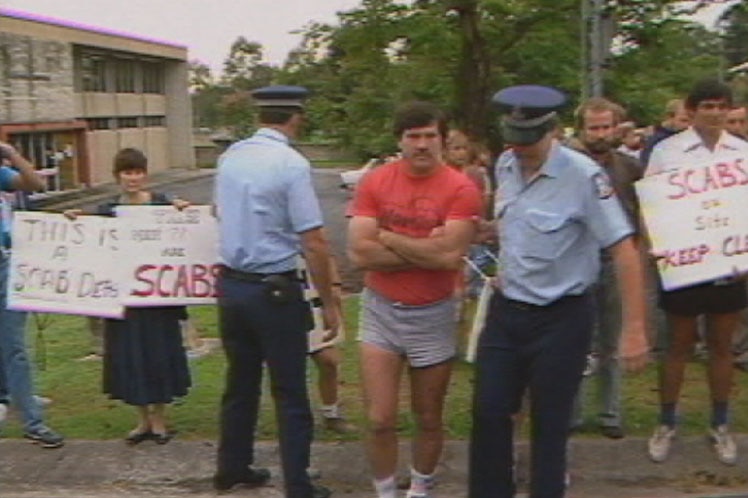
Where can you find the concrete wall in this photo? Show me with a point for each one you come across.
(74, 33)
(37, 74)
(179, 116)
(102, 145)
(36, 79)
(92, 105)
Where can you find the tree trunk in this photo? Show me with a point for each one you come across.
(473, 72)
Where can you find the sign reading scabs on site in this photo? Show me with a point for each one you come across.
(696, 220)
(65, 266)
(172, 255)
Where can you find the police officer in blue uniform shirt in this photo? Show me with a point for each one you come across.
(268, 213)
(555, 210)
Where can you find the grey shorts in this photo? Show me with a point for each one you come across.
(425, 334)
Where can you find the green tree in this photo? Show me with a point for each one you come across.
(206, 96)
(735, 22)
(458, 52)
(243, 69)
(200, 75)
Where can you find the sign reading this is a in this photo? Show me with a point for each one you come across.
(66, 266)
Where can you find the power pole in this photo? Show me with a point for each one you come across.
(598, 30)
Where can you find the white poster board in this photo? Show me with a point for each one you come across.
(316, 336)
(697, 221)
(65, 266)
(172, 256)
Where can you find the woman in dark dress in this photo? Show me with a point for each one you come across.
(145, 364)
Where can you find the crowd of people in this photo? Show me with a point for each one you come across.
(557, 216)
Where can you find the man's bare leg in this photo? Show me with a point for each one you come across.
(380, 376)
(428, 389)
(720, 330)
(327, 361)
(683, 337)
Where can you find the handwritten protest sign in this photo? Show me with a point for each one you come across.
(64, 266)
(171, 255)
(697, 223)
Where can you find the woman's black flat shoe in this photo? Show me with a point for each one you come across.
(162, 438)
(138, 437)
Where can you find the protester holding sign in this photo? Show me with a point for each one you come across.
(704, 158)
(16, 173)
(145, 364)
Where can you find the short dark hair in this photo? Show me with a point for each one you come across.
(417, 115)
(708, 89)
(129, 158)
(278, 115)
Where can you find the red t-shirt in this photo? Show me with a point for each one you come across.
(414, 205)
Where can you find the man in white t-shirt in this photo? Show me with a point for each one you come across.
(720, 301)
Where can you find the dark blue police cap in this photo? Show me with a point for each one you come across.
(529, 112)
(280, 96)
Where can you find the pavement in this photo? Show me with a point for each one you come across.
(600, 468)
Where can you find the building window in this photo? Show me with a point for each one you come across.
(99, 123)
(153, 121)
(93, 72)
(153, 77)
(124, 75)
(128, 122)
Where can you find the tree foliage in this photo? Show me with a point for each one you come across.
(457, 53)
(225, 104)
(735, 23)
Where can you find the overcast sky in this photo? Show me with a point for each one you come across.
(207, 28)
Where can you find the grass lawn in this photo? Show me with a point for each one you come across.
(80, 410)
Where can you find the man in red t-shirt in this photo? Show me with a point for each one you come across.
(412, 223)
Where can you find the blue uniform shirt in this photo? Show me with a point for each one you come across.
(552, 229)
(265, 198)
(7, 174)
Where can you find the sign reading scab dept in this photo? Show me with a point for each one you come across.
(96, 265)
(66, 266)
(697, 221)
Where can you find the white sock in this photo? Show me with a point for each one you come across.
(419, 483)
(386, 488)
(330, 411)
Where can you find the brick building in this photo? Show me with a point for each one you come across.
(72, 95)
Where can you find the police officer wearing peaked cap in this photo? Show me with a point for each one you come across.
(268, 213)
(530, 111)
(555, 210)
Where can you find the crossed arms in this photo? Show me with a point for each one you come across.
(373, 248)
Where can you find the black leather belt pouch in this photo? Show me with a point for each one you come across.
(280, 289)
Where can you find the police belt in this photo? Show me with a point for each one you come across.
(525, 306)
(245, 276)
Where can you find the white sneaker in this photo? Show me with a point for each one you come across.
(659, 443)
(724, 445)
(42, 400)
(593, 362)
